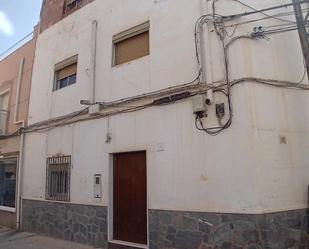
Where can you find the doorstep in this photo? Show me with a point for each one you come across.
(115, 244)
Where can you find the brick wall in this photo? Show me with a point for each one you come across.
(53, 11)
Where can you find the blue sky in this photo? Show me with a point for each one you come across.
(17, 18)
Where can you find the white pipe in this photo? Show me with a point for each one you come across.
(209, 97)
(19, 179)
(20, 74)
(21, 144)
(205, 49)
(93, 57)
(205, 46)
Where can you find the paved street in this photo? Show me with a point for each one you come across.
(11, 239)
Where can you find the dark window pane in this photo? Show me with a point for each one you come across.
(72, 79)
(63, 82)
(66, 81)
(71, 5)
(7, 182)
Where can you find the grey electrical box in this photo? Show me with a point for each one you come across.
(199, 104)
(97, 186)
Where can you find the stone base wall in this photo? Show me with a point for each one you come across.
(78, 223)
(190, 230)
(172, 229)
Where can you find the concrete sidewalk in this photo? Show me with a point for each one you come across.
(12, 239)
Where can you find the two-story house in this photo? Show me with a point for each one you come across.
(168, 124)
(15, 82)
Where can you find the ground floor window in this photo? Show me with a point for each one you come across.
(58, 178)
(8, 182)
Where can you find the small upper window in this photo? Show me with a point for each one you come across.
(71, 5)
(131, 44)
(4, 113)
(65, 73)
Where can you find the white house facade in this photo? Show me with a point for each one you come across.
(122, 150)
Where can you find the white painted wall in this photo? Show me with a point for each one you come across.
(243, 170)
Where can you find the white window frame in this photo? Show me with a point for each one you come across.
(65, 63)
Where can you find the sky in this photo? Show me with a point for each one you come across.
(17, 19)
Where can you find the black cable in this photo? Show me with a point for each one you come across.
(213, 131)
(45, 125)
(228, 94)
(15, 44)
(276, 31)
(262, 10)
(14, 134)
(264, 18)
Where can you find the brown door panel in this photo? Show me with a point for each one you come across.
(130, 197)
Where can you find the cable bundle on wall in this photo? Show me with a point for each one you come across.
(171, 95)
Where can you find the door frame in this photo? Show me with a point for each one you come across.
(110, 218)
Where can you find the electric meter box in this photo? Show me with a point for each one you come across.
(97, 186)
(199, 104)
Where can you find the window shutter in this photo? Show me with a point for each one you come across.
(67, 71)
(132, 48)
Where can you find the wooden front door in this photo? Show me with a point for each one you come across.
(130, 197)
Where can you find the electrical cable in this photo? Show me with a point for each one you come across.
(232, 83)
(263, 13)
(262, 10)
(153, 94)
(53, 122)
(214, 131)
(193, 87)
(15, 44)
(264, 18)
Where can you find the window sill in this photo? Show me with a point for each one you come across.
(7, 209)
(61, 89)
(134, 61)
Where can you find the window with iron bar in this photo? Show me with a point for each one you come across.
(58, 172)
(70, 5)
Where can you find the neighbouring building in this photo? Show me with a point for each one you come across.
(168, 124)
(15, 82)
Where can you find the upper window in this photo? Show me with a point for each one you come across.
(70, 5)
(131, 44)
(58, 178)
(4, 113)
(65, 73)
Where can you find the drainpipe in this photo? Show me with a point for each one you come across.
(19, 180)
(20, 73)
(205, 49)
(93, 58)
(21, 144)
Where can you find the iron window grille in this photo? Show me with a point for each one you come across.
(71, 5)
(58, 173)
